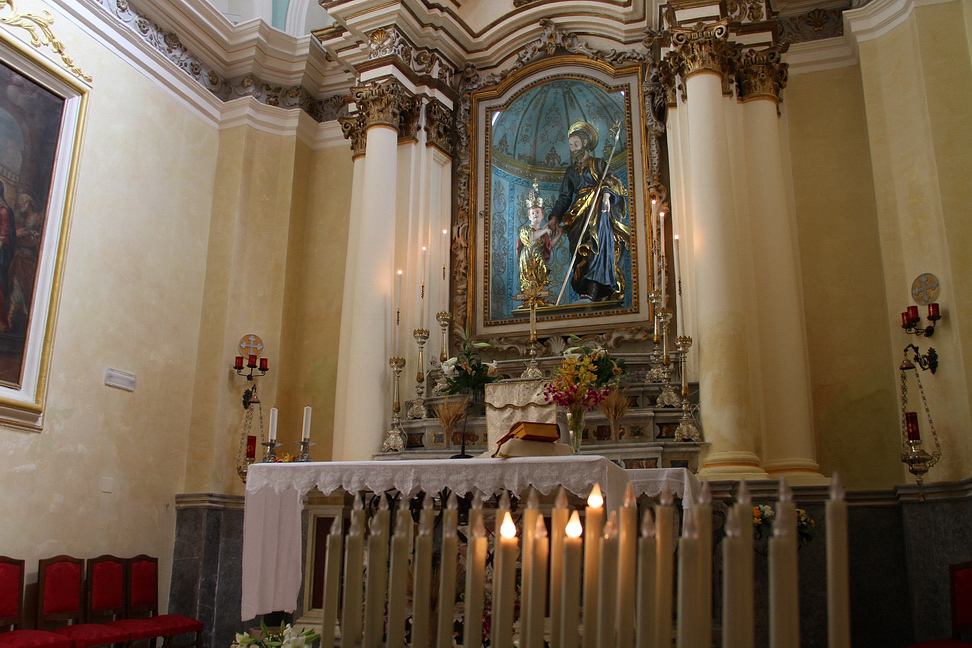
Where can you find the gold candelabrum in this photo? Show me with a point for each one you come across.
(395, 441)
(417, 408)
(444, 319)
(688, 428)
(912, 453)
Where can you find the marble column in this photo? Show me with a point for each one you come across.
(368, 317)
(729, 417)
(788, 445)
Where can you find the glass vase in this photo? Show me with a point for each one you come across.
(575, 427)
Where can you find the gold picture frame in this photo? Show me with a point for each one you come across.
(42, 110)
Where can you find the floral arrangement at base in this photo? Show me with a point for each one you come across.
(763, 516)
(283, 637)
(584, 378)
(467, 371)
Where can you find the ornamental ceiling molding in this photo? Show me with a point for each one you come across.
(552, 41)
(169, 45)
(388, 42)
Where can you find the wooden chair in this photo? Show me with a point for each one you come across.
(142, 605)
(960, 580)
(105, 587)
(12, 632)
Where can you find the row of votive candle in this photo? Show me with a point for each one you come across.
(609, 584)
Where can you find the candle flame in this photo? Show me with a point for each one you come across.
(445, 231)
(399, 272)
(574, 528)
(595, 499)
(508, 529)
(675, 237)
(662, 213)
(653, 201)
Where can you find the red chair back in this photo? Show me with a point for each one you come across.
(143, 586)
(60, 587)
(11, 592)
(961, 577)
(105, 587)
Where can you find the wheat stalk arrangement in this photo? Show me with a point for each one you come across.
(450, 413)
(614, 406)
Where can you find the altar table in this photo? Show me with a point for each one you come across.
(272, 560)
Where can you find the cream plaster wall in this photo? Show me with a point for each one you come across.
(851, 367)
(102, 475)
(917, 84)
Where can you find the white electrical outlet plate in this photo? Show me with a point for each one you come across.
(120, 379)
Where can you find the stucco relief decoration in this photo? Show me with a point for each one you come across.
(386, 41)
(39, 28)
(817, 24)
(438, 126)
(225, 89)
(380, 102)
(762, 74)
(746, 10)
(409, 118)
(353, 127)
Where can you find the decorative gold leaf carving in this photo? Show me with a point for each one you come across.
(34, 23)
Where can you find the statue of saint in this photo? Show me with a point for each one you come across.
(534, 243)
(593, 220)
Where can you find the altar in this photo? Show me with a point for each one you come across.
(272, 535)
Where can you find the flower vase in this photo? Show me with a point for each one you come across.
(575, 426)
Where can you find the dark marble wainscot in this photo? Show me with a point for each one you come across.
(207, 564)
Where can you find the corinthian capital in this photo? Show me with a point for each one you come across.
(762, 74)
(353, 127)
(702, 48)
(438, 126)
(380, 102)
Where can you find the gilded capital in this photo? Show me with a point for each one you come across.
(762, 74)
(409, 118)
(380, 102)
(702, 48)
(438, 126)
(353, 127)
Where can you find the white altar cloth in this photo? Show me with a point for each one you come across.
(272, 562)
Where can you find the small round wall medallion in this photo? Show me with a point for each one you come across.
(925, 288)
(252, 345)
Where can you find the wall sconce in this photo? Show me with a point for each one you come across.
(251, 348)
(912, 454)
(910, 320)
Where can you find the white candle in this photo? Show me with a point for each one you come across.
(353, 567)
(307, 423)
(504, 583)
(627, 554)
(664, 261)
(783, 587)
(688, 584)
(679, 312)
(529, 524)
(332, 581)
(558, 524)
(475, 584)
(654, 240)
(401, 548)
(398, 313)
(645, 635)
(374, 614)
(535, 607)
(838, 596)
(607, 587)
(594, 525)
(273, 425)
(475, 509)
(445, 260)
(422, 583)
(447, 572)
(571, 581)
(664, 566)
(703, 527)
(425, 275)
(737, 581)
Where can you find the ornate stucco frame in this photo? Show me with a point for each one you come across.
(22, 403)
(609, 323)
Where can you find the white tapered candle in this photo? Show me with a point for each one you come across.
(737, 581)
(374, 613)
(307, 423)
(447, 572)
(783, 584)
(535, 610)
(703, 527)
(558, 524)
(664, 566)
(627, 559)
(838, 588)
(607, 588)
(353, 567)
(504, 583)
(401, 549)
(688, 584)
(398, 313)
(570, 599)
(529, 524)
(645, 633)
(594, 527)
(332, 581)
(475, 585)
(422, 569)
(679, 312)
(273, 425)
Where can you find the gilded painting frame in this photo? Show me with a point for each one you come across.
(500, 188)
(42, 110)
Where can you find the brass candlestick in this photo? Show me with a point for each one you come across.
(444, 319)
(394, 442)
(270, 455)
(683, 343)
(417, 409)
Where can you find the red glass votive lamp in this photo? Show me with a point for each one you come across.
(263, 364)
(251, 447)
(913, 313)
(905, 322)
(251, 361)
(238, 363)
(933, 313)
(911, 426)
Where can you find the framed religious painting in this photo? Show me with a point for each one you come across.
(558, 196)
(41, 115)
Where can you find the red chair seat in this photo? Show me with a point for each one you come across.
(179, 624)
(85, 635)
(33, 639)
